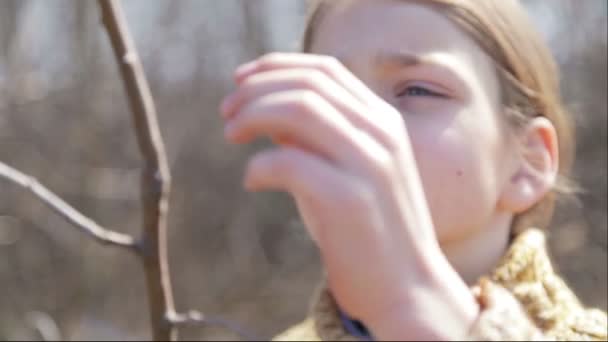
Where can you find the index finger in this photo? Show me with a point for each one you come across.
(326, 64)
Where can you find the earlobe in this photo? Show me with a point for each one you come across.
(537, 167)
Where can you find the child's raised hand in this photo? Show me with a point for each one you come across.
(345, 156)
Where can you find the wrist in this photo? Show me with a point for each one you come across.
(432, 319)
(441, 307)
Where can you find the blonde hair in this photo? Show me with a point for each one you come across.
(526, 70)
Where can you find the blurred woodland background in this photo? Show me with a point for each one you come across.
(64, 119)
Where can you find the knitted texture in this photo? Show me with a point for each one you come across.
(522, 299)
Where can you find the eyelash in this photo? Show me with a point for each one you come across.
(418, 90)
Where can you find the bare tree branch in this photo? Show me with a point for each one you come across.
(156, 179)
(155, 190)
(62, 208)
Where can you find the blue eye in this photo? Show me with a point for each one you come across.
(419, 91)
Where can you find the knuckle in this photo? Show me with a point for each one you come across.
(330, 63)
(393, 141)
(382, 162)
(378, 158)
(393, 131)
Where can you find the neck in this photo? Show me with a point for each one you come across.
(479, 253)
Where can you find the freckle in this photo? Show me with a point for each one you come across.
(459, 173)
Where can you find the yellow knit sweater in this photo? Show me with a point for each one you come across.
(523, 299)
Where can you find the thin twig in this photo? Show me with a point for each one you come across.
(73, 216)
(193, 317)
(155, 180)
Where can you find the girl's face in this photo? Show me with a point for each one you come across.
(449, 95)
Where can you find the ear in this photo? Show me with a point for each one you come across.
(537, 167)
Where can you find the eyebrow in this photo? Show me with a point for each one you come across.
(398, 59)
(388, 62)
(391, 60)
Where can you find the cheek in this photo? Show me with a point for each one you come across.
(458, 173)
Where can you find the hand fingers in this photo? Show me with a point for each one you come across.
(308, 120)
(339, 211)
(320, 189)
(292, 170)
(263, 83)
(325, 64)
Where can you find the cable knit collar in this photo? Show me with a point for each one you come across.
(525, 271)
(525, 274)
